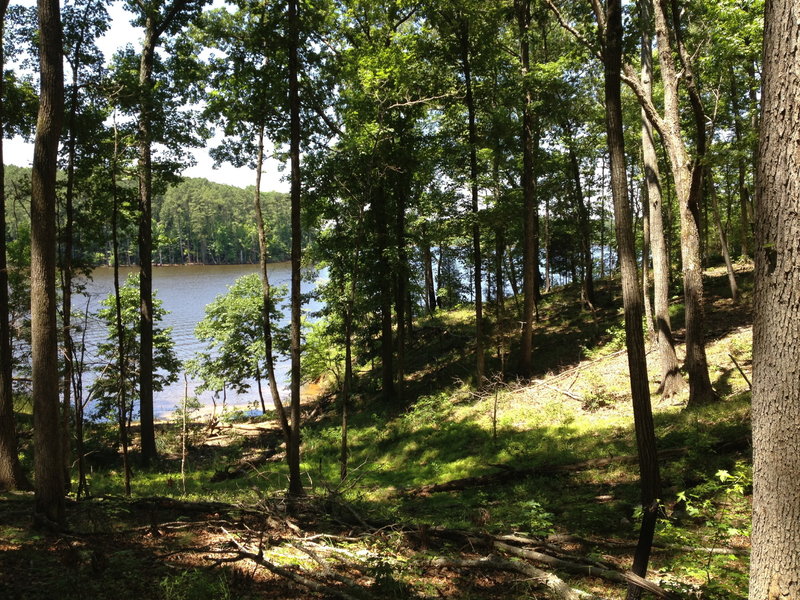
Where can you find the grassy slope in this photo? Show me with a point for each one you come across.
(577, 408)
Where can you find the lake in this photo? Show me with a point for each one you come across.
(184, 291)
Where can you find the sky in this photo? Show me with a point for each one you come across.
(18, 152)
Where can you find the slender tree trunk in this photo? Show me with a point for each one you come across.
(466, 66)
(686, 189)
(145, 168)
(293, 452)
(585, 225)
(49, 508)
(430, 289)
(530, 141)
(11, 475)
(122, 364)
(671, 380)
(631, 295)
(723, 239)
(775, 560)
(385, 295)
(266, 294)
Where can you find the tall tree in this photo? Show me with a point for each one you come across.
(671, 380)
(49, 477)
(158, 17)
(775, 560)
(610, 25)
(530, 219)
(11, 475)
(293, 448)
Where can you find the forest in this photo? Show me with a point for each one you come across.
(557, 350)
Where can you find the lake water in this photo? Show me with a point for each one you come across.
(184, 292)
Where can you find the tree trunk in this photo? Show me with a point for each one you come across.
(671, 380)
(775, 561)
(723, 239)
(293, 450)
(430, 290)
(687, 191)
(584, 224)
(473, 180)
(11, 475)
(145, 169)
(121, 350)
(49, 507)
(266, 293)
(631, 295)
(530, 141)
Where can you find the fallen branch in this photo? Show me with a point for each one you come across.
(554, 583)
(574, 539)
(312, 584)
(750, 385)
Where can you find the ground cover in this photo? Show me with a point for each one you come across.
(452, 493)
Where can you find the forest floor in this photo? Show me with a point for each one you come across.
(526, 489)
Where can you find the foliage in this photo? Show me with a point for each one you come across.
(108, 385)
(234, 336)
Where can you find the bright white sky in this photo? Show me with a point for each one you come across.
(18, 152)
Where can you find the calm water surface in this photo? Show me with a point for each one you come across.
(184, 292)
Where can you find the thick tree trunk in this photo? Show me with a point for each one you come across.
(49, 508)
(11, 475)
(631, 295)
(293, 451)
(775, 560)
(671, 380)
(145, 168)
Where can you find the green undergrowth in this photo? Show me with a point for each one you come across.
(575, 409)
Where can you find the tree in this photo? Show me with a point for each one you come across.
(610, 28)
(234, 336)
(775, 561)
(11, 475)
(671, 380)
(114, 383)
(293, 446)
(49, 506)
(159, 18)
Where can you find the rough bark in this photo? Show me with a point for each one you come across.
(631, 294)
(671, 380)
(775, 560)
(49, 483)
(293, 449)
(11, 475)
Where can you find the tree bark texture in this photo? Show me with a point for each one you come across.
(631, 294)
(775, 557)
(48, 465)
(671, 379)
(11, 475)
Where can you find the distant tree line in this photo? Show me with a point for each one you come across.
(194, 221)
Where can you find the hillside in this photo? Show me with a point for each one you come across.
(524, 489)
